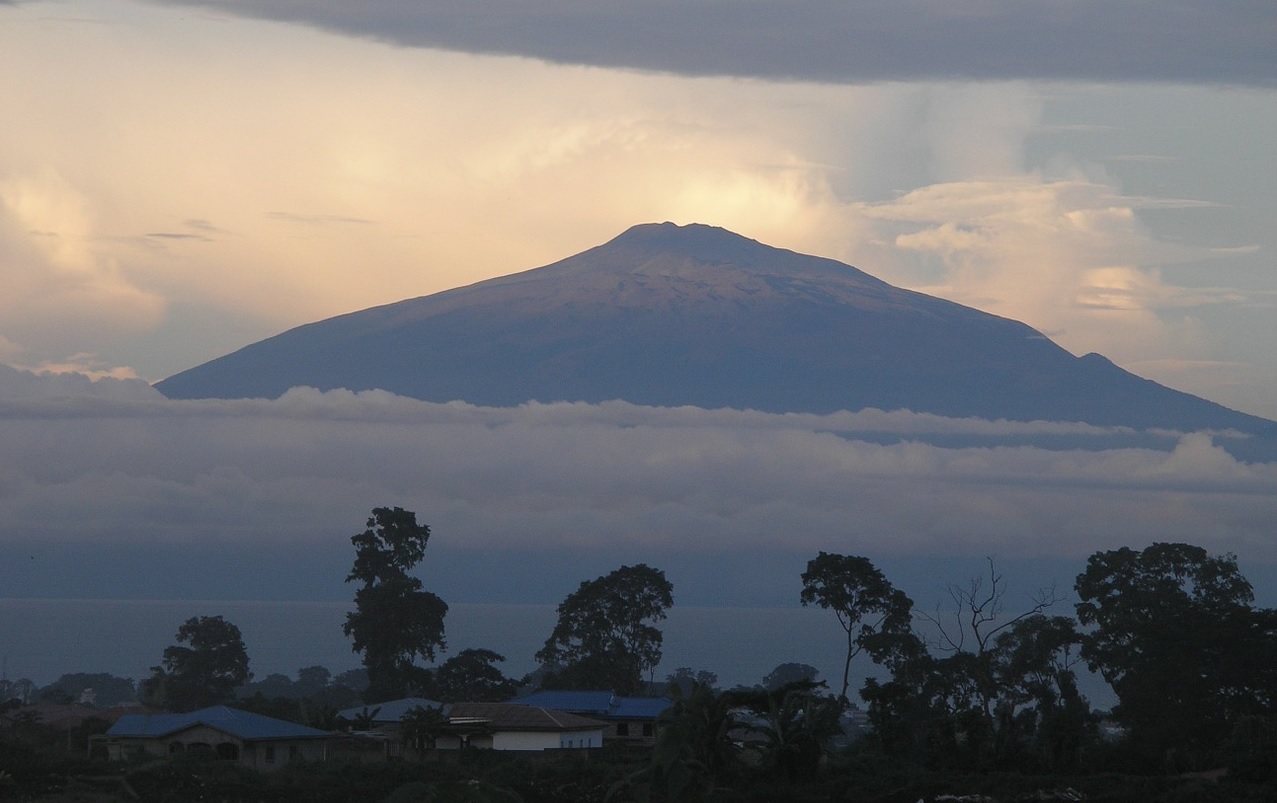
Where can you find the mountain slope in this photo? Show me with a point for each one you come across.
(695, 315)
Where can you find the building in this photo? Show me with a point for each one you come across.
(390, 713)
(251, 740)
(393, 724)
(510, 726)
(628, 720)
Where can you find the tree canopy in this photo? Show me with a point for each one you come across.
(604, 638)
(395, 621)
(205, 673)
(472, 675)
(1174, 633)
(865, 602)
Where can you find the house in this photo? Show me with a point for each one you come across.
(252, 740)
(391, 724)
(510, 726)
(629, 720)
(390, 713)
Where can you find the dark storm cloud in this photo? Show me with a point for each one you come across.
(1229, 42)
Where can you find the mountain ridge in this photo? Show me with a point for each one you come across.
(669, 315)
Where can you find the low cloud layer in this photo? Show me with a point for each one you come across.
(111, 465)
(832, 40)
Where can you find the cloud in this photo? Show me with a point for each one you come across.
(315, 220)
(830, 40)
(56, 271)
(1069, 256)
(107, 463)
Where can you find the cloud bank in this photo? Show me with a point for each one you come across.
(110, 464)
(831, 40)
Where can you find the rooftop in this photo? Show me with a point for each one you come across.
(602, 704)
(241, 724)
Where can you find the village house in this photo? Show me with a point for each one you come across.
(510, 726)
(391, 724)
(251, 740)
(628, 720)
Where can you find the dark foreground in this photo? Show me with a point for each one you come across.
(483, 776)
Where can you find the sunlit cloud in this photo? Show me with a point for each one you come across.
(55, 270)
(1067, 256)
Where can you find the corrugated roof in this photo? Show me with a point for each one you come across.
(389, 711)
(638, 707)
(241, 724)
(516, 717)
(598, 704)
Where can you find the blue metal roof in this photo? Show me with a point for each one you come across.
(598, 704)
(577, 702)
(639, 707)
(241, 724)
(389, 711)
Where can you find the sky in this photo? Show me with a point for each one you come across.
(180, 179)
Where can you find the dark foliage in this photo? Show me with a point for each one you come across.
(205, 673)
(395, 621)
(1174, 633)
(472, 676)
(603, 638)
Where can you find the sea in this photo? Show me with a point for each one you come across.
(42, 639)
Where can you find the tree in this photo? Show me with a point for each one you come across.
(798, 722)
(994, 690)
(1034, 661)
(978, 612)
(1174, 633)
(789, 673)
(395, 620)
(867, 605)
(979, 619)
(604, 638)
(203, 674)
(684, 678)
(107, 690)
(312, 680)
(472, 676)
(694, 749)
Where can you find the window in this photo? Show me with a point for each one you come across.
(293, 751)
(270, 754)
(647, 729)
(622, 729)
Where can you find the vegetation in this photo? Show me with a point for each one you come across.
(869, 609)
(205, 673)
(604, 638)
(979, 702)
(395, 621)
(472, 675)
(1176, 637)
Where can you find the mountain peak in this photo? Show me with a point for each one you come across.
(690, 238)
(671, 315)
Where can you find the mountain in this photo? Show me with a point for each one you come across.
(695, 315)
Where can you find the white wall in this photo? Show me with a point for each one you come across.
(524, 740)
